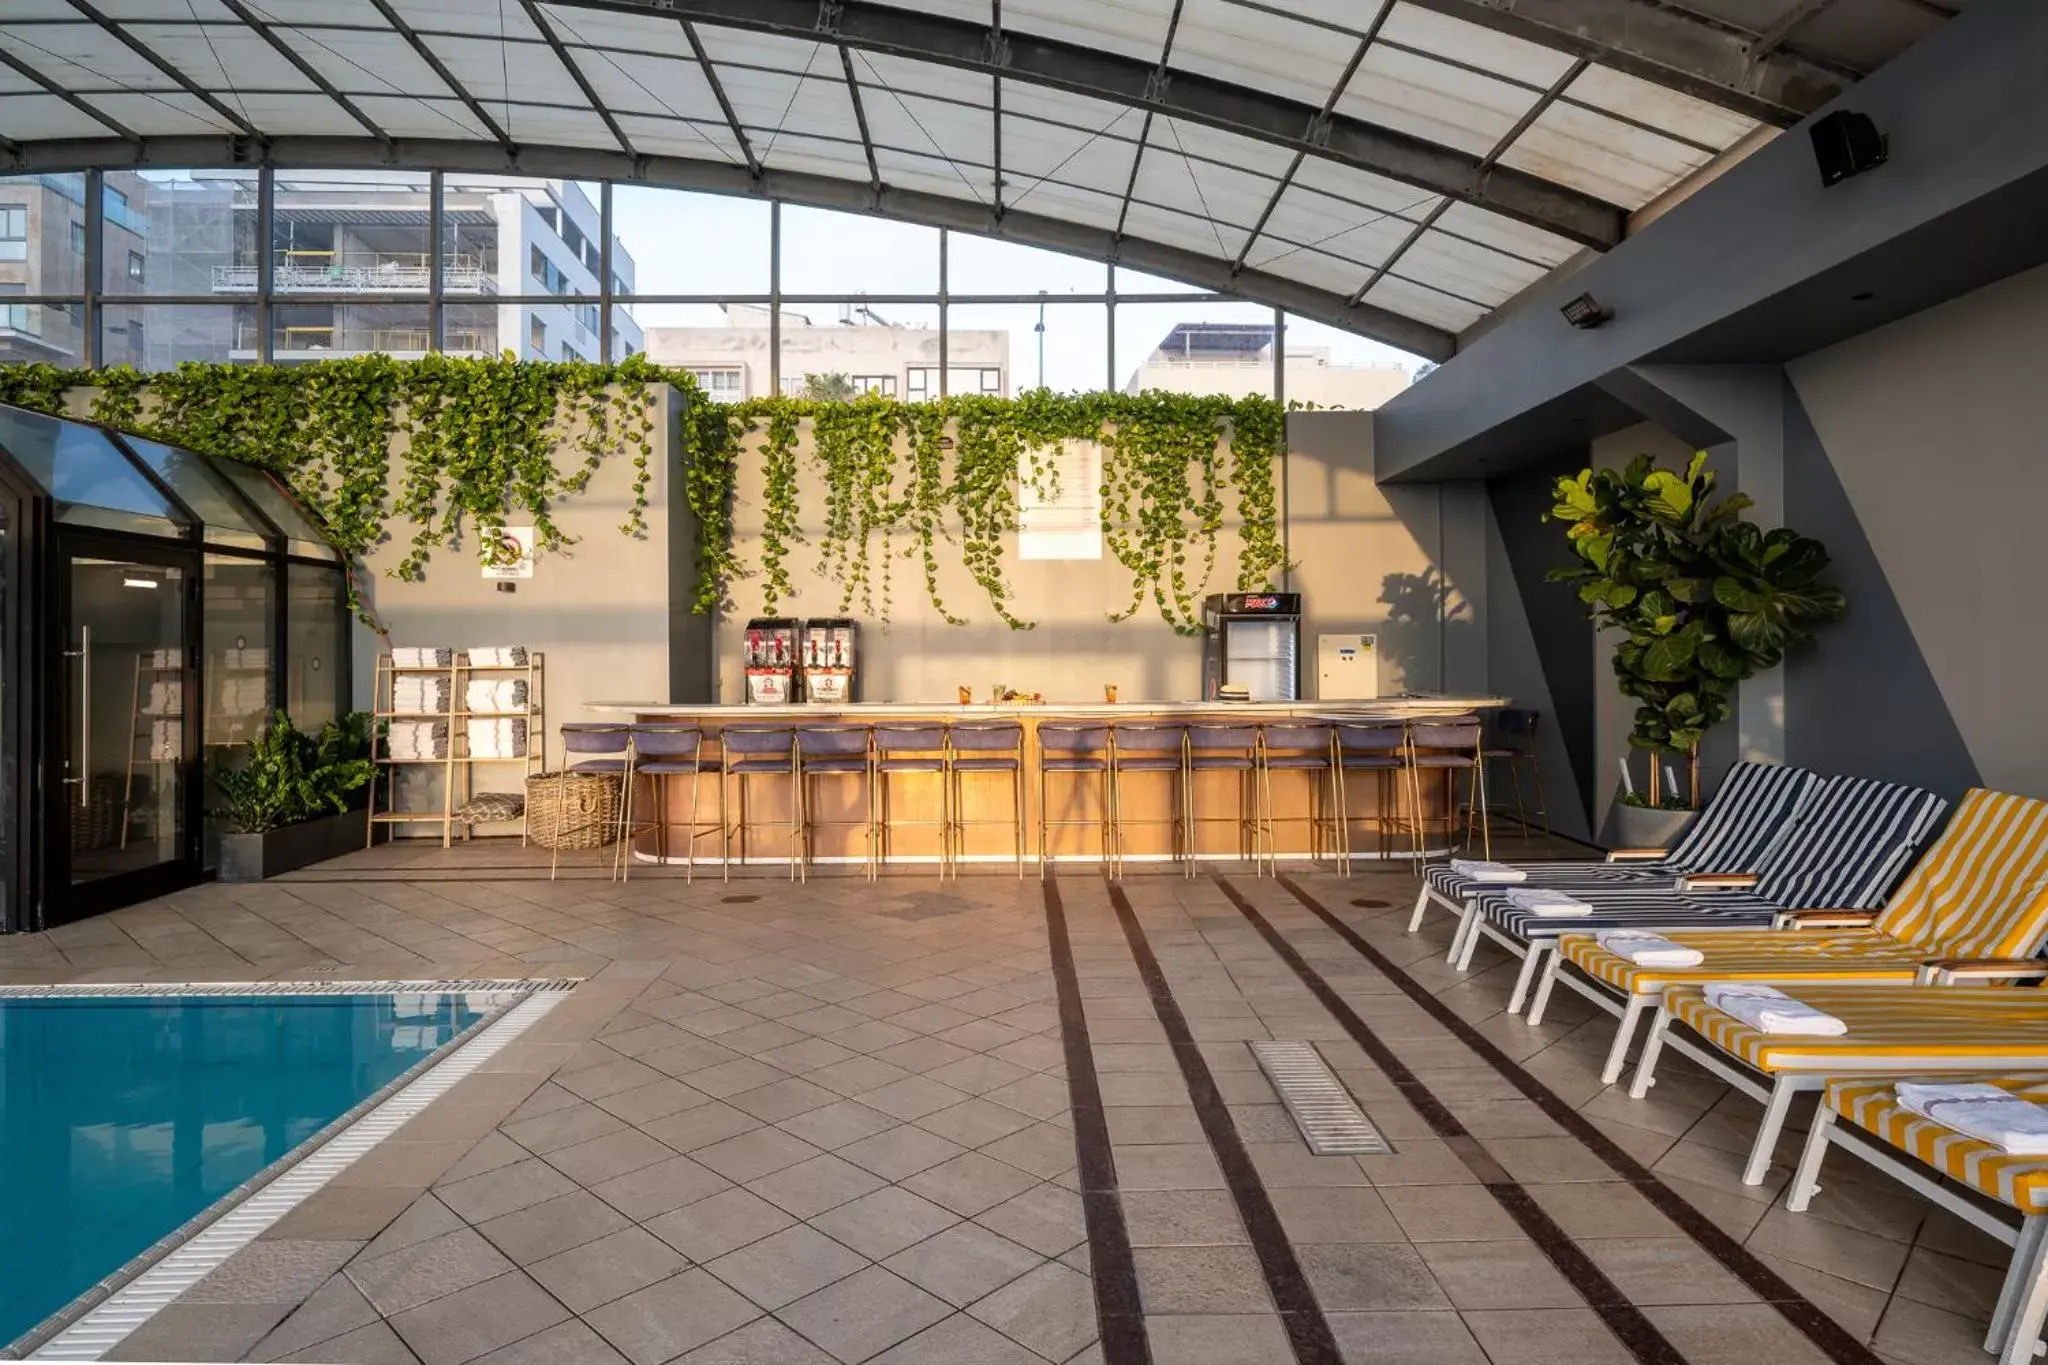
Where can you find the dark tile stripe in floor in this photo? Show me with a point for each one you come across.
(1308, 1332)
(1630, 1327)
(1118, 1316)
(1816, 1325)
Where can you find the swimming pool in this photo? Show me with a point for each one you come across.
(123, 1117)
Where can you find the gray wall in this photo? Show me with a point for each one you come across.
(1916, 453)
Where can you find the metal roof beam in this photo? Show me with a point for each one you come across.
(540, 21)
(1673, 47)
(1178, 94)
(447, 77)
(305, 68)
(23, 69)
(150, 55)
(860, 117)
(732, 118)
(719, 177)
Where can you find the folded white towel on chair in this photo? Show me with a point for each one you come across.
(1646, 949)
(1981, 1111)
(1481, 871)
(1769, 1010)
(1547, 904)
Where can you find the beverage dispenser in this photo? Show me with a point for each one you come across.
(1251, 646)
(830, 651)
(771, 656)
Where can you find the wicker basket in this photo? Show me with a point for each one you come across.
(572, 810)
(96, 823)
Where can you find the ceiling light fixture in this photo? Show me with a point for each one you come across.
(1585, 311)
(131, 582)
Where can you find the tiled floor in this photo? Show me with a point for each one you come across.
(833, 1123)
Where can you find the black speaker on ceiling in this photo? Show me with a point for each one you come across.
(1846, 143)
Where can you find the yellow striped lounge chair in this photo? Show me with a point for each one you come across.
(1864, 1118)
(1891, 1031)
(1979, 892)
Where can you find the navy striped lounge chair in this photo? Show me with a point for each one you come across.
(1748, 815)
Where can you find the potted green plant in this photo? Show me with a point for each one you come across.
(293, 800)
(1701, 600)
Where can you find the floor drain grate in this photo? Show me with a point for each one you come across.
(739, 900)
(1329, 1119)
(1367, 903)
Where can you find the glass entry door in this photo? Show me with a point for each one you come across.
(126, 733)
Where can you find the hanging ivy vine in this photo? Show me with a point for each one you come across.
(444, 453)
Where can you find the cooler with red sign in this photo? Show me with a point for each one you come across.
(1252, 640)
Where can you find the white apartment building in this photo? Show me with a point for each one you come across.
(1235, 358)
(860, 352)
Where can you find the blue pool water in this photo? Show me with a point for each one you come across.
(121, 1118)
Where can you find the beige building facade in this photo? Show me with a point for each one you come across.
(859, 351)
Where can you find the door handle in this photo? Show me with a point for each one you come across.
(84, 656)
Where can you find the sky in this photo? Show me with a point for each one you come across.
(688, 243)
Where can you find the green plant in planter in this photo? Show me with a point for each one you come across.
(1704, 599)
(290, 777)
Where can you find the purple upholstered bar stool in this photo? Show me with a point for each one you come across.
(1379, 747)
(1080, 749)
(1452, 745)
(911, 747)
(835, 751)
(610, 745)
(981, 747)
(664, 749)
(1148, 747)
(1301, 746)
(749, 751)
(1226, 747)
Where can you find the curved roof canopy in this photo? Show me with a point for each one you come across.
(1396, 167)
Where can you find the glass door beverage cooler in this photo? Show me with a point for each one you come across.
(771, 656)
(830, 654)
(1251, 646)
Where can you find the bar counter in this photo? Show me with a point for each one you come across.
(1146, 807)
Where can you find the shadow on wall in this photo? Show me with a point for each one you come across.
(1424, 624)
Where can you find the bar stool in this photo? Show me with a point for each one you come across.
(664, 749)
(1082, 749)
(984, 746)
(1518, 748)
(1380, 748)
(1147, 747)
(1225, 748)
(1449, 746)
(761, 751)
(912, 748)
(1306, 746)
(835, 751)
(613, 742)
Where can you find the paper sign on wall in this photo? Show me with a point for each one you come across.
(509, 553)
(1067, 522)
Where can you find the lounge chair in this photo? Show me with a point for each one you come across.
(1755, 805)
(1937, 1029)
(1979, 891)
(1846, 848)
(1968, 1177)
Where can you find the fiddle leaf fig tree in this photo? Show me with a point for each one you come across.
(1703, 599)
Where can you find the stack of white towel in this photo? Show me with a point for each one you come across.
(1646, 949)
(243, 696)
(1769, 1010)
(165, 699)
(1985, 1112)
(504, 737)
(504, 694)
(164, 658)
(1480, 871)
(419, 693)
(437, 656)
(254, 656)
(497, 656)
(418, 739)
(166, 741)
(1547, 904)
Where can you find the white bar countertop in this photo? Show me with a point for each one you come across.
(1411, 704)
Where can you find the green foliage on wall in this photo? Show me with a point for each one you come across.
(1704, 599)
(446, 451)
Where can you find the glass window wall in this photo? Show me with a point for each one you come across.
(187, 266)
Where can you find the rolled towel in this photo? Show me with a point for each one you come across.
(1646, 949)
(1769, 1010)
(1981, 1111)
(505, 694)
(415, 656)
(1481, 871)
(1544, 903)
(497, 656)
